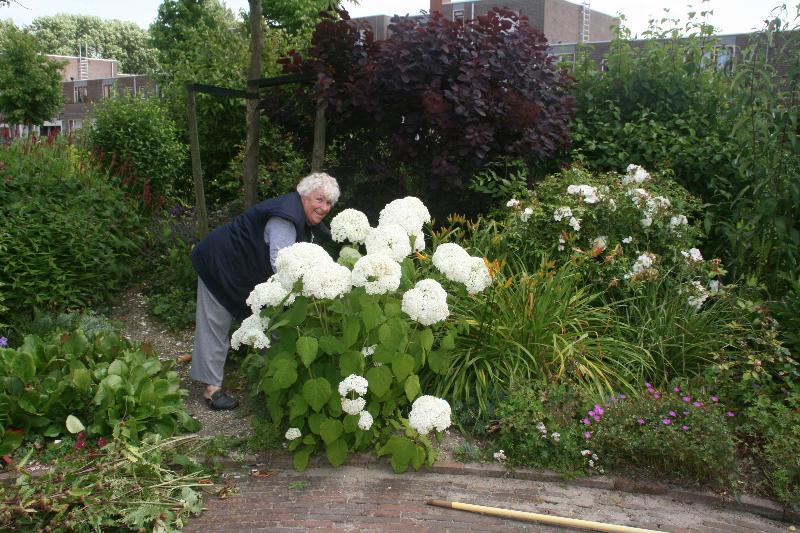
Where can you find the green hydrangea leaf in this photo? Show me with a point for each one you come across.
(351, 363)
(380, 380)
(307, 348)
(336, 452)
(317, 391)
(402, 366)
(412, 387)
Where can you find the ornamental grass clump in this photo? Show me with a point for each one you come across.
(349, 350)
(672, 434)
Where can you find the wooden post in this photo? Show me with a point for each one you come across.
(250, 176)
(197, 170)
(318, 152)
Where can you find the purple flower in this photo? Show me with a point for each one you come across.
(731, 413)
(586, 422)
(642, 421)
(673, 413)
(687, 399)
(3, 342)
(587, 435)
(656, 395)
(599, 410)
(686, 413)
(714, 399)
(685, 427)
(596, 418)
(666, 421)
(676, 389)
(648, 385)
(698, 404)
(622, 396)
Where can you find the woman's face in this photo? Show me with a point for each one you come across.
(316, 206)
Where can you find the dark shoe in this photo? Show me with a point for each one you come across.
(221, 401)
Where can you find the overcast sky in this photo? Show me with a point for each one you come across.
(730, 16)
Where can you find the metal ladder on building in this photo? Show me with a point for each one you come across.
(83, 63)
(587, 10)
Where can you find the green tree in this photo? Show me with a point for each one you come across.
(30, 83)
(91, 36)
(296, 16)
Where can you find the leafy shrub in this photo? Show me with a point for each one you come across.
(116, 388)
(673, 434)
(138, 142)
(538, 427)
(69, 237)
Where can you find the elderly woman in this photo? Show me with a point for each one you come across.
(234, 258)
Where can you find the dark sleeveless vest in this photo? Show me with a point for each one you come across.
(234, 258)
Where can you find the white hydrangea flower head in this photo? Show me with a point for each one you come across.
(478, 276)
(692, 255)
(351, 225)
(635, 174)
(293, 433)
(575, 223)
(271, 293)
(327, 281)
(389, 239)
(676, 221)
(526, 214)
(429, 412)
(449, 259)
(353, 383)
(353, 407)
(561, 213)
(377, 273)
(251, 333)
(295, 260)
(408, 212)
(365, 420)
(426, 303)
(599, 243)
(512, 203)
(588, 193)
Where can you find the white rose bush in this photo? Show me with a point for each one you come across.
(350, 341)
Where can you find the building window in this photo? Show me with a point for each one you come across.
(107, 91)
(719, 58)
(458, 15)
(80, 94)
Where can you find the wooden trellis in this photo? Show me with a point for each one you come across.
(317, 153)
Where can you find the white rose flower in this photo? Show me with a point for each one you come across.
(292, 434)
(426, 303)
(353, 383)
(526, 214)
(429, 412)
(377, 273)
(646, 222)
(353, 407)
(556, 436)
(499, 456)
(588, 193)
(636, 174)
(575, 223)
(251, 333)
(642, 263)
(637, 195)
(713, 286)
(677, 220)
(627, 240)
(365, 420)
(692, 255)
(389, 239)
(350, 225)
(512, 203)
(699, 296)
(561, 213)
(271, 293)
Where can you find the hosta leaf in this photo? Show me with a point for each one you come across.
(23, 366)
(76, 343)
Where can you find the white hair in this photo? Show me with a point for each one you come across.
(322, 181)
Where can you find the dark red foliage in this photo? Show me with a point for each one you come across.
(444, 97)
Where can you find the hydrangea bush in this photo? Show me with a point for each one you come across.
(349, 340)
(625, 229)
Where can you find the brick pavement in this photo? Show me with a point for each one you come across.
(369, 497)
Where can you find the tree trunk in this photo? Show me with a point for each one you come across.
(253, 72)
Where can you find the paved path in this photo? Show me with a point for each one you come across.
(372, 498)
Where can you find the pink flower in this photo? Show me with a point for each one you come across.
(648, 385)
(587, 435)
(673, 413)
(686, 413)
(731, 413)
(591, 413)
(596, 418)
(656, 395)
(622, 396)
(599, 410)
(101, 442)
(687, 399)
(642, 421)
(586, 422)
(698, 404)
(666, 421)
(676, 389)
(685, 427)
(714, 399)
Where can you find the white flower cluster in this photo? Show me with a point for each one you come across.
(642, 263)
(377, 273)
(637, 195)
(358, 385)
(561, 213)
(322, 277)
(350, 225)
(499, 456)
(676, 221)
(426, 303)
(599, 244)
(409, 213)
(251, 333)
(656, 205)
(429, 412)
(699, 295)
(635, 174)
(292, 434)
(457, 265)
(366, 351)
(526, 214)
(575, 223)
(512, 203)
(692, 255)
(588, 193)
(270, 294)
(353, 383)
(390, 240)
(542, 429)
(627, 240)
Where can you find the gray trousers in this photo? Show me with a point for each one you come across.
(211, 342)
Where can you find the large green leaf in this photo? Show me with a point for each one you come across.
(74, 425)
(317, 391)
(81, 379)
(76, 343)
(297, 313)
(351, 362)
(315, 421)
(439, 361)
(411, 387)
(284, 374)
(23, 366)
(371, 314)
(331, 345)
(10, 441)
(426, 339)
(336, 452)
(307, 348)
(393, 334)
(330, 429)
(402, 366)
(298, 406)
(380, 380)
(402, 451)
(300, 459)
(350, 332)
(118, 368)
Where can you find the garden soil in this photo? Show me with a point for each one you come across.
(263, 493)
